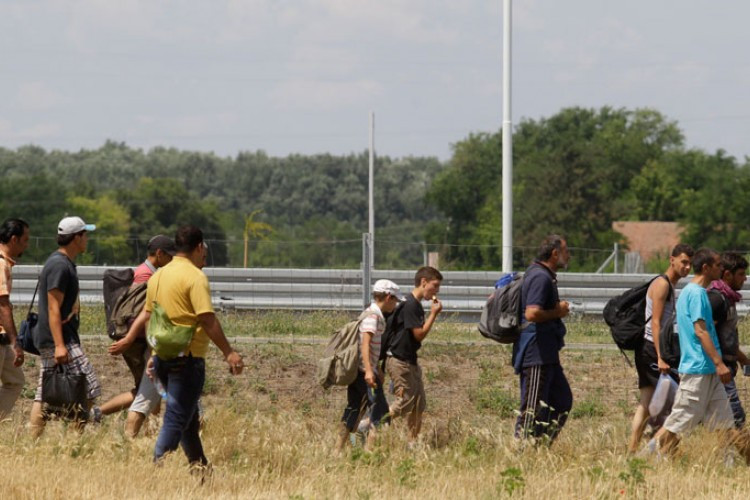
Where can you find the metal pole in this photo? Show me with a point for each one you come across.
(617, 251)
(366, 269)
(371, 187)
(507, 144)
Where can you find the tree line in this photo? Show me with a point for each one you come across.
(574, 172)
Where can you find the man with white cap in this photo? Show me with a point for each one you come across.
(56, 333)
(361, 393)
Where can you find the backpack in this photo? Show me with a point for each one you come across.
(728, 339)
(669, 344)
(114, 283)
(502, 319)
(167, 339)
(127, 307)
(340, 362)
(625, 315)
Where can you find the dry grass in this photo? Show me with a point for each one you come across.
(269, 435)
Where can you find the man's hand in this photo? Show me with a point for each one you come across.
(563, 308)
(370, 379)
(663, 366)
(120, 346)
(61, 355)
(234, 360)
(725, 375)
(18, 361)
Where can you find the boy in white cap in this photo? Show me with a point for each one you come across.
(361, 393)
(56, 333)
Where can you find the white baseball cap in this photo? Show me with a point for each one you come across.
(387, 286)
(73, 225)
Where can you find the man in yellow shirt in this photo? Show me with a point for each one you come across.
(181, 289)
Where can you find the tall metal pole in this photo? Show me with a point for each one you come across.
(507, 145)
(371, 190)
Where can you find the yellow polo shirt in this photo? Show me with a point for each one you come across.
(182, 290)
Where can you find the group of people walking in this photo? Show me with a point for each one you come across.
(390, 334)
(177, 294)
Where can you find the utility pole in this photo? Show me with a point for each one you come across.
(507, 144)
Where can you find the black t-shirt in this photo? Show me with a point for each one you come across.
(59, 273)
(545, 339)
(404, 345)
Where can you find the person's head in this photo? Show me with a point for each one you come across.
(161, 249)
(387, 295)
(733, 269)
(679, 261)
(554, 251)
(706, 263)
(72, 234)
(427, 280)
(189, 243)
(14, 234)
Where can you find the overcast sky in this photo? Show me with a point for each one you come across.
(300, 76)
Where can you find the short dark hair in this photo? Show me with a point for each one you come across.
(428, 273)
(64, 240)
(188, 238)
(702, 257)
(11, 228)
(681, 248)
(379, 295)
(732, 262)
(549, 243)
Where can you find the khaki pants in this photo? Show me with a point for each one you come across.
(407, 386)
(11, 380)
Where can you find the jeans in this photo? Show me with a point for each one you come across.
(734, 402)
(359, 397)
(183, 379)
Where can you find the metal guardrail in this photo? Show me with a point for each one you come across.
(462, 292)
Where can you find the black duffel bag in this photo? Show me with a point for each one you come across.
(64, 391)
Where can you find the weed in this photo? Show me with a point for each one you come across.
(512, 480)
(588, 408)
(634, 472)
(405, 471)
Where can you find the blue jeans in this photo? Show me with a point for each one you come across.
(735, 404)
(183, 380)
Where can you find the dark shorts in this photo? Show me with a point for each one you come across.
(136, 357)
(646, 364)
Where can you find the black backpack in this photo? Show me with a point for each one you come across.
(502, 319)
(728, 340)
(115, 283)
(625, 315)
(669, 344)
(389, 335)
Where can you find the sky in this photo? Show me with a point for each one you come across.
(301, 76)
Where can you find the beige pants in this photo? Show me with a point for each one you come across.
(407, 386)
(11, 380)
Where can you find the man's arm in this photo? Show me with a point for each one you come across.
(6, 319)
(54, 303)
(213, 329)
(659, 293)
(705, 339)
(136, 328)
(536, 314)
(365, 352)
(421, 332)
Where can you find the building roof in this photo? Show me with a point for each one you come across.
(650, 239)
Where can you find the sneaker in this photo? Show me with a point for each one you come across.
(95, 415)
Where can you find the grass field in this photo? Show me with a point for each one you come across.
(269, 432)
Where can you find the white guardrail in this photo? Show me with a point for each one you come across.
(462, 292)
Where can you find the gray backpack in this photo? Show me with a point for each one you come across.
(340, 362)
(501, 318)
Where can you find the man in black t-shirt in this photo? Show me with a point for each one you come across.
(56, 333)
(546, 397)
(409, 331)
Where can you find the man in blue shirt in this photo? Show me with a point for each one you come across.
(701, 397)
(546, 397)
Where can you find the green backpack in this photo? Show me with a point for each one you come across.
(166, 339)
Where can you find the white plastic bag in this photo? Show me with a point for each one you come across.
(663, 398)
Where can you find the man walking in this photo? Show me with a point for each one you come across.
(701, 397)
(546, 397)
(143, 398)
(14, 238)
(660, 309)
(181, 290)
(724, 294)
(56, 334)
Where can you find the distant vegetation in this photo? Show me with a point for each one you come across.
(574, 173)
